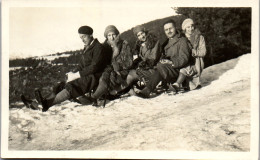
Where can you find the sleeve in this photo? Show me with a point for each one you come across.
(181, 58)
(97, 62)
(128, 57)
(201, 49)
(154, 55)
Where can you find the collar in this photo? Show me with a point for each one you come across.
(91, 45)
(92, 42)
(172, 41)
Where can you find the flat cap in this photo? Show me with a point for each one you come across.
(85, 30)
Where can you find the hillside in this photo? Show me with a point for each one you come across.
(213, 118)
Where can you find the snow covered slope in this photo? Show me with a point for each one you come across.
(213, 118)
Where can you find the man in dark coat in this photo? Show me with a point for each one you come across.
(85, 77)
(176, 55)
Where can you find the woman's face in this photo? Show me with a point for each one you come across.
(189, 29)
(111, 36)
(141, 36)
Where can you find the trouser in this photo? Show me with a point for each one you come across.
(82, 85)
(72, 89)
(164, 72)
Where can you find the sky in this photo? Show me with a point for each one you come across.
(37, 31)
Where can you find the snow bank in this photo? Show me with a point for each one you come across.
(213, 118)
(51, 58)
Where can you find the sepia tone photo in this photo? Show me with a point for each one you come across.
(130, 79)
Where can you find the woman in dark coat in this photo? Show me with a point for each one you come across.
(114, 77)
(148, 51)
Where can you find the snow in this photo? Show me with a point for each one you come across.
(14, 68)
(52, 57)
(215, 117)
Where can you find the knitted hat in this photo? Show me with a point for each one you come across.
(111, 28)
(138, 29)
(85, 30)
(186, 22)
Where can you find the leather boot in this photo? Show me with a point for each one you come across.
(29, 103)
(55, 99)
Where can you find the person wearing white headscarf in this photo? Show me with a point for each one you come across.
(192, 72)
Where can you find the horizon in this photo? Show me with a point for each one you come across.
(39, 31)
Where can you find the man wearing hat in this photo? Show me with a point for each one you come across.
(84, 78)
(176, 55)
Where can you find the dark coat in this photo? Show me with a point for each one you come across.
(93, 59)
(178, 51)
(115, 74)
(149, 54)
(90, 67)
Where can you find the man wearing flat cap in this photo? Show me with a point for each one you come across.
(84, 78)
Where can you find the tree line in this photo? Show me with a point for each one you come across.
(227, 32)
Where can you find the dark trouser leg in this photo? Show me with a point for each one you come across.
(152, 83)
(154, 80)
(82, 85)
(131, 77)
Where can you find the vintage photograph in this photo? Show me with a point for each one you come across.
(105, 78)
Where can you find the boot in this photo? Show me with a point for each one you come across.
(177, 86)
(43, 101)
(55, 99)
(29, 103)
(100, 91)
(174, 87)
(124, 91)
(38, 95)
(92, 100)
(145, 93)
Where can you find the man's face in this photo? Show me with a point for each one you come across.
(189, 29)
(141, 36)
(86, 39)
(169, 30)
(111, 36)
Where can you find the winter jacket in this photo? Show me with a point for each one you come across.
(150, 56)
(93, 59)
(91, 66)
(198, 50)
(177, 50)
(122, 60)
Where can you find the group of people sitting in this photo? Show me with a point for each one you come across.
(109, 68)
